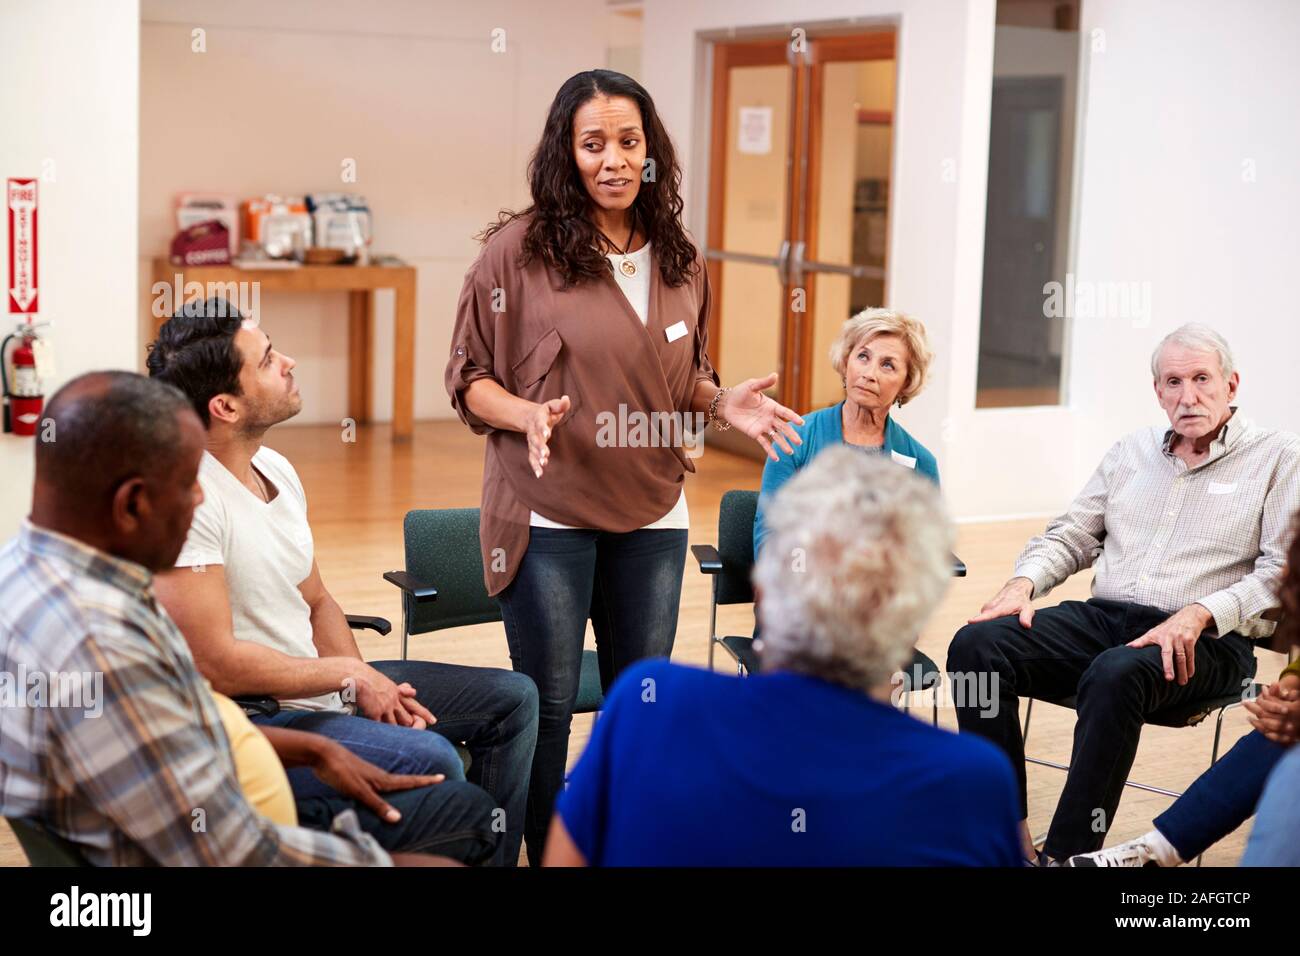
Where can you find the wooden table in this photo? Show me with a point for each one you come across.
(360, 283)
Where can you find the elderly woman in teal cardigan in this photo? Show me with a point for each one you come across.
(882, 357)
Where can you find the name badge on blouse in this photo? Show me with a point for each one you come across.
(675, 332)
(1222, 488)
(903, 460)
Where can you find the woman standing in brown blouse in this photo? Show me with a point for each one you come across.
(579, 350)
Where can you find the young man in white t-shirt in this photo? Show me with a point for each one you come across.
(248, 596)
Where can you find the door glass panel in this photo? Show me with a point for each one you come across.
(852, 214)
(754, 218)
(752, 318)
(1032, 143)
(814, 223)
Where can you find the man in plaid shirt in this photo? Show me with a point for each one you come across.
(1188, 530)
(136, 769)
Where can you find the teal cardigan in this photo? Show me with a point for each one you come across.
(824, 429)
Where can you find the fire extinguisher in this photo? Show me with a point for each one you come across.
(23, 401)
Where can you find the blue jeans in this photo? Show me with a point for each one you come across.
(1222, 798)
(629, 585)
(492, 712)
(1275, 840)
(453, 818)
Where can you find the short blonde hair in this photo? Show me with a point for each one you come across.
(869, 323)
(856, 560)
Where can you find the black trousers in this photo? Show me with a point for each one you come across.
(1077, 649)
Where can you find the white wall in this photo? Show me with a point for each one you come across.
(1176, 100)
(70, 108)
(623, 40)
(440, 126)
(1191, 183)
(1179, 99)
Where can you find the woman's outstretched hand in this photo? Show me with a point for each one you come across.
(546, 416)
(759, 417)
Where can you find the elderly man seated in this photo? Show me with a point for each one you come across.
(1226, 795)
(806, 763)
(1188, 528)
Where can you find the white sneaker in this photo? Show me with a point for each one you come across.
(1133, 853)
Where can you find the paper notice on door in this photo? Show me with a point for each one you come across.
(755, 137)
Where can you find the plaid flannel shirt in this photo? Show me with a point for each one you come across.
(108, 734)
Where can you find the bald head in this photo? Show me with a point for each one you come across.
(103, 427)
(116, 459)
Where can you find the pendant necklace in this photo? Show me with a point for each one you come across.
(625, 265)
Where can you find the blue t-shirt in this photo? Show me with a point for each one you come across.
(691, 768)
(824, 429)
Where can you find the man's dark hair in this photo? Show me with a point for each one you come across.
(196, 352)
(102, 428)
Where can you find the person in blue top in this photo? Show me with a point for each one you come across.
(883, 358)
(806, 763)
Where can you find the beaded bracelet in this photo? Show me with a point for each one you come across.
(720, 423)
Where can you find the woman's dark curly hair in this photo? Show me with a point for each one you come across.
(561, 232)
(1288, 593)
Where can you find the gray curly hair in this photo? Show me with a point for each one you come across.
(858, 555)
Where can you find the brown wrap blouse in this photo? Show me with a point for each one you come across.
(540, 341)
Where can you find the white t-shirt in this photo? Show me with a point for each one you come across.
(267, 552)
(637, 290)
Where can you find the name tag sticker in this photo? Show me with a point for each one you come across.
(1218, 488)
(903, 460)
(675, 332)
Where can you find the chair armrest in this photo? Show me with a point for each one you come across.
(707, 555)
(958, 566)
(360, 622)
(1274, 641)
(417, 589)
(258, 705)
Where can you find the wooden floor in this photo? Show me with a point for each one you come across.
(358, 492)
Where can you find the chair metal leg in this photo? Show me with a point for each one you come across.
(907, 705)
(406, 630)
(1218, 733)
(713, 627)
(1214, 754)
(1175, 794)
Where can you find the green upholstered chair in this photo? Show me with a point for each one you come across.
(730, 564)
(442, 586)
